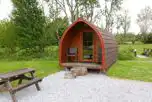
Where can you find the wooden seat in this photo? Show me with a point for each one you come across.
(72, 52)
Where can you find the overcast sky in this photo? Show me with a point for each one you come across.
(133, 6)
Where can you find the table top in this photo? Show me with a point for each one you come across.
(15, 73)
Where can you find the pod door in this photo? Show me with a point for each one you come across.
(87, 46)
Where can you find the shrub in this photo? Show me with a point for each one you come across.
(50, 53)
(145, 38)
(126, 54)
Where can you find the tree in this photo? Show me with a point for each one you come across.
(119, 38)
(74, 9)
(144, 20)
(54, 9)
(125, 22)
(87, 10)
(54, 30)
(7, 36)
(130, 37)
(145, 38)
(118, 23)
(109, 12)
(29, 22)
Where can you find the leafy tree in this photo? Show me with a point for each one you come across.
(54, 9)
(118, 23)
(109, 12)
(7, 35)
(55, 29)
(119, 38)
(125, 22)
(74, 9)
(130, 37)
(144, 20)
(87, 10)
(145, 38)
(29, 23)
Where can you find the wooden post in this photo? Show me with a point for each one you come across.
(9, 87)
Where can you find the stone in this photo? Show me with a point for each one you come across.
(69, 75)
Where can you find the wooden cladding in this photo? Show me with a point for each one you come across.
(110, 49)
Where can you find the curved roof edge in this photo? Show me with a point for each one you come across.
(96, 29)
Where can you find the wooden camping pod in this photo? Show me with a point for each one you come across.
(94, 47)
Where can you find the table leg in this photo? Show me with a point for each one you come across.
(9, 87)
(36, 84)
(21, 79)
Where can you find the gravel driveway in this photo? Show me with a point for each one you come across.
(90, 88)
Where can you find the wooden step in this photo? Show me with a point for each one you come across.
(33, 81)
(87, 65)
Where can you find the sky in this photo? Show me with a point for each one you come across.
(133, 6)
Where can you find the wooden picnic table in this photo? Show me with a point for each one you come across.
(147, 51)
(7, 78)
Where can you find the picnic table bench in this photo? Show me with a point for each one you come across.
(7, 78)
(147, 51)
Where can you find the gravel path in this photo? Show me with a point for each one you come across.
(141, 56)
(90, 88)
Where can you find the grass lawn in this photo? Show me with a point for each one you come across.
(138, 47)
(135, 70)
(43, 67)
(138, 69)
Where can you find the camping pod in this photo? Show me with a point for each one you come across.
(84, 44)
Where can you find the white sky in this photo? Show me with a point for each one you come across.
(133, 6)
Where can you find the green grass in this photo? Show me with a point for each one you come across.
(135, 70)
(138, 47)
(43, 67)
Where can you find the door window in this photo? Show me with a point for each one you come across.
(87, 45)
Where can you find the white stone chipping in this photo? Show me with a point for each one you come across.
(89, 88)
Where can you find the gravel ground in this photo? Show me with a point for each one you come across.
(90, 88)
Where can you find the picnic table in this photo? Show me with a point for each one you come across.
(20, 75)
(147, 51)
